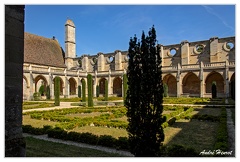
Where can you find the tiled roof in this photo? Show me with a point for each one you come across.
(43, 51)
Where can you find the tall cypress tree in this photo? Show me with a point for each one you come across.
(145, 96)
(83, 90)
(57, 91)
(90, 90)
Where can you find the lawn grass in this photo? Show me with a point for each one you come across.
(41, 148)
(199, 135)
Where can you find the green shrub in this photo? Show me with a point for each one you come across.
(106, 140)
(41, 90)
(36, 96)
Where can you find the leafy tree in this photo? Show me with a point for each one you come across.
(145, 96)
(41, 90)
(83, 90)
(90, 90)
(57, 91)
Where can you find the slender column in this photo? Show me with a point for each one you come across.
(226, 79)
(110, 91)
(201, 80)
(179, 82)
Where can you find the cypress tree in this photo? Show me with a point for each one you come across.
(106, 90)
(79, 91)
(48, 93)
(90, 90)
(97, 90)
(83, 90)
(145, 96)
(57, 91)
(125, 86)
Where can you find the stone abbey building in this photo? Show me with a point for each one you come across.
(188, 68)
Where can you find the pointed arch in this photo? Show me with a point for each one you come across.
(214, 77)
(117, 86)
(171, 82)
(191, 84)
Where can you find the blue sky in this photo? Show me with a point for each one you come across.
(106, 28)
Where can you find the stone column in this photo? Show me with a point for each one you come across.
(179, 81)
(201, 80)
(31, 84)
(14, 54)
(66, 95)
(110, 89)
(226, 79)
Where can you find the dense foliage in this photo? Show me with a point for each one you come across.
(48, 93)
(145, 96)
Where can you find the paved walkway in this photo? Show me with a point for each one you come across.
(78, 144)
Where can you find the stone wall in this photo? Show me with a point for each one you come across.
(14, 47)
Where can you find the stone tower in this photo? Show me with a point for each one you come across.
(70, 43)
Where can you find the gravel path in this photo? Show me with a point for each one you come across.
(78, 144)
(231, 132)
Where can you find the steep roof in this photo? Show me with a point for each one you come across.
(43, 51)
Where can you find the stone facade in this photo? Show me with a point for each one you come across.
(189, 69)
(14, 42)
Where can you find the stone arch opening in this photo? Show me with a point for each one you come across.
(102, 86)
(117, 86)
(232, 87)
(191, 85)
(72, 86)
(41, 81)
(61, 85)
(171, 82)
(215, 77)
